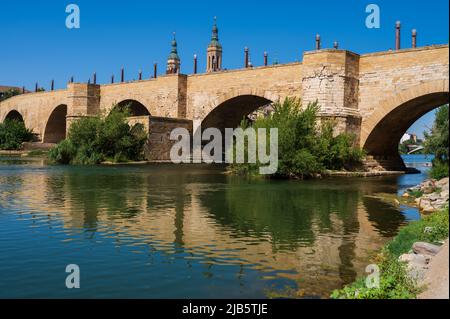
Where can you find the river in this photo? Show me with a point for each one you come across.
(172, 231)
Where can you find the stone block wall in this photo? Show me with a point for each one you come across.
(159, 143)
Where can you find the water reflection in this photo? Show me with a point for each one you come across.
(188, 231)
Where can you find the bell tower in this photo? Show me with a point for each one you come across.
(214, 53)
(173, 61)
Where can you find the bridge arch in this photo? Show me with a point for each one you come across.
(136, 108)
(14, 115)
(55, 128)
(232, 107)
(383, 129)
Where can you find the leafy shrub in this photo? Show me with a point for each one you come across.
(13, 133)
(305, 147)
(92, 140)
(415, 231)
(394, 280)
(394, 283)
(63, 153)
(437, 143)
(439, 170)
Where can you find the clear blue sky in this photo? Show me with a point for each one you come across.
(37, 46)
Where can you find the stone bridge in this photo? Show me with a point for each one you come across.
(377, 96)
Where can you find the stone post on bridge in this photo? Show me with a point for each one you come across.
(331, 77)
(83, 100)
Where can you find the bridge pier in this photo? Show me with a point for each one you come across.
(331, 77)
(82, 100)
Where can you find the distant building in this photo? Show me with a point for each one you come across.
(409, 136)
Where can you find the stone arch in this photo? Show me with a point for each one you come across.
(231, 107)
(55, 128)
(383, 129)
(14, 115)
(136, 108)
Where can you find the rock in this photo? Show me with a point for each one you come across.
(417, 264)
(416, 272)
(428, 230)
(396, 202)
(443, 183)
(433, 197)
(405, 195)
(415, 259)
(425, 248)
(426, 206)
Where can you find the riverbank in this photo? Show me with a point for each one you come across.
(328, 173)
(415, 263)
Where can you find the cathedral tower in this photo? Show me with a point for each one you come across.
(214, 53)
(173, 61)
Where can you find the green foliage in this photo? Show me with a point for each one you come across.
(415, 231)
(415, 193)
(12, 134)
(437, 143)
(305, 147)
(439, 170)
(63, 153)
(394, 281)
(92, 140)
(9, 93)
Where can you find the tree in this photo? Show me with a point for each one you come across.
(92, 140)
(12, 135)
(305, 147)
(437, 143)
(9, 93)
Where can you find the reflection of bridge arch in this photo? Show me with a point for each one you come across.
(14, 115)
(55, 129)
(382, 131)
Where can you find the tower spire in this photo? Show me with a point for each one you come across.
(173, 61)
(214, 52)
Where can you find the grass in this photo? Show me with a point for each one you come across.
(394, 281)
(415, 193)
(37, 153)
(437, 230)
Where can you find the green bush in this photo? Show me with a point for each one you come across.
(305, 147)
(394, 281)
(92, 140)
(12, 134)
(63, 153)
(415, 231)
(439, 170)
(437, 143)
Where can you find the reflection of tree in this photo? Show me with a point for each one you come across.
(288, 211)
(384, 217)
(89, 193)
